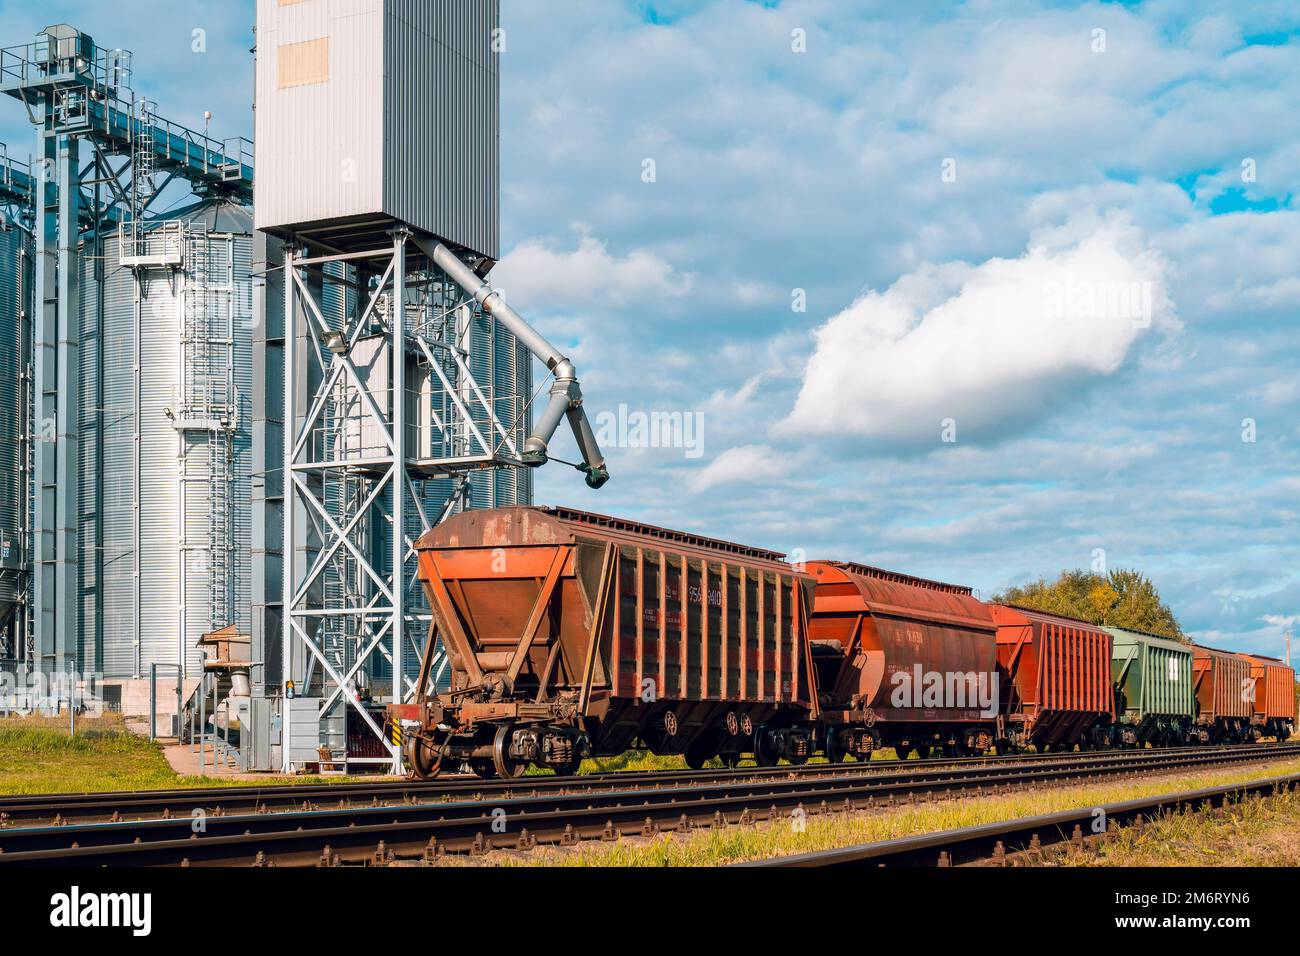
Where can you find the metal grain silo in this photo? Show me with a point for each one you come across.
(165, 431)
(15, 352)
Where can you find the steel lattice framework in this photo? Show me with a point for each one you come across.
(392, 407)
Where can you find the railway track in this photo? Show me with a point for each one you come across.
(1030, 840)
(26, 810)
(524, 817)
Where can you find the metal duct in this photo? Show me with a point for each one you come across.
(566, 395)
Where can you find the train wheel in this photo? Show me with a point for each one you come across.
(731, 759)
(425, 762)
(923, 751)
(697, 757)
(764, 755)
(902, 750)
(483, 769)
(506, 766)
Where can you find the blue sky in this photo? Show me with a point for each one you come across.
(956, 189)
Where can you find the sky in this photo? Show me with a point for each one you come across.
(974, 291)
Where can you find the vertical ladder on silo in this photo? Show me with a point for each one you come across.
(209, 407)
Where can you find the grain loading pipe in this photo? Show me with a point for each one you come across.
(566, 395)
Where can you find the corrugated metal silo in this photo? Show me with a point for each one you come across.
(15, 352)
(166, 447)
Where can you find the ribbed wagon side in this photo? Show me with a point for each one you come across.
(1155, 699)
(1056, 681)
(1273, 700)
(569, 633)
(1223, 688)
(901, 662)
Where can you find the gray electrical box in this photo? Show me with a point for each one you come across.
(304, 730)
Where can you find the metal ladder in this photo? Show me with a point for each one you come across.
(143, 153)
(209, 406)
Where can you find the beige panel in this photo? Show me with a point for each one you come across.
(304, 64)
(286, 3)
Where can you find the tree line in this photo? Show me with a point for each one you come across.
(1118, 598)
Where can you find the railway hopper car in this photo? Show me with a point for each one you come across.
(1056, 687)
(1223, 688)
(902, 662)
(1155, 698)
(1272, 698)
(572, 634)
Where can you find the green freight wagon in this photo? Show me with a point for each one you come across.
(1155, 700)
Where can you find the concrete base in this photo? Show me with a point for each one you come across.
(184, 759)
(135, 700)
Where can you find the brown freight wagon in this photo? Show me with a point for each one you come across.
(1056, 679)
(572, 634)
(1223, 686)
(1273, 703)
(901, 662)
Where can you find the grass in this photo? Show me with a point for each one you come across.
(38, 756)
(740, 843)
(1256, 831)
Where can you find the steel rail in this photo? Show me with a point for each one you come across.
(422, 830)
(63, 809)
(1031, 839)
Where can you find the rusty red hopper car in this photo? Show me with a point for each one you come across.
(901, 661)
(1272, 697)
(570, 634)
(1057, 685)
(1223, 687)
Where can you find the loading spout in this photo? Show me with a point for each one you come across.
(566, 395)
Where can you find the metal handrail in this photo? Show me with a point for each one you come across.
(105, 109)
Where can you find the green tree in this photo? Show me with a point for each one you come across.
(1121, 598)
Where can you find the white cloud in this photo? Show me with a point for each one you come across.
(537, 275)
(1282, 621)
(745, 463)
(987, 345)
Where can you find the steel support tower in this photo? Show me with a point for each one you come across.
(358, 467)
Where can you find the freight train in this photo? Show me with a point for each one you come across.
(570, 634)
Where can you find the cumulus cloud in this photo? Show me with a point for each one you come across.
(989, 345)
(744, 463)
(536, 272)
